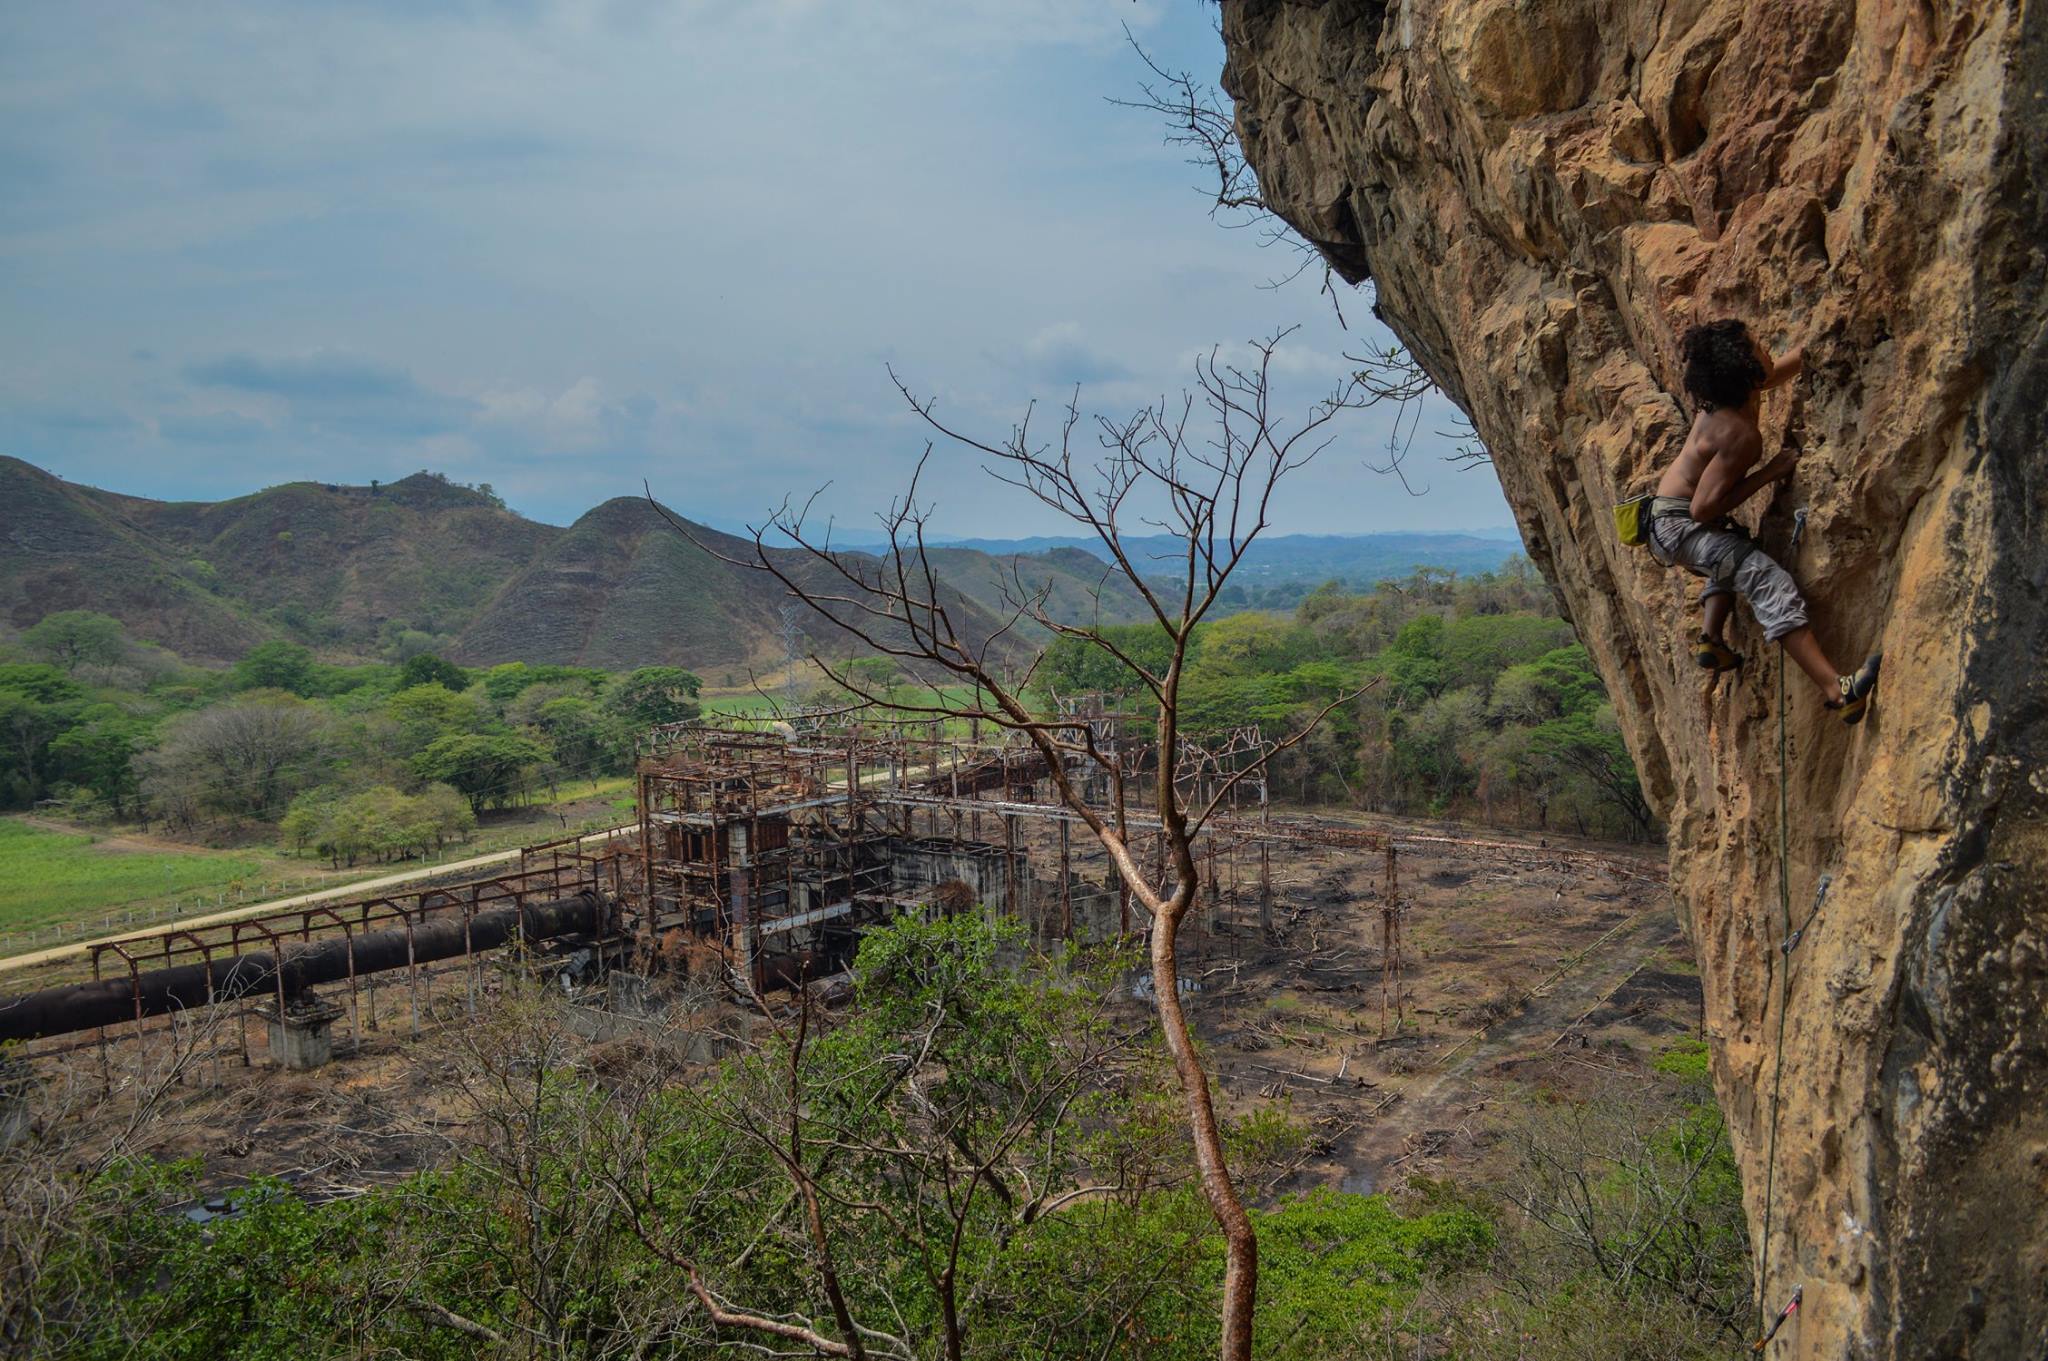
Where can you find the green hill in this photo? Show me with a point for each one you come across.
(345, 568)
(333, 564)
(621, 588)
(69, 548)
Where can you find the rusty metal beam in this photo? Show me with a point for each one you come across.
(288, 971)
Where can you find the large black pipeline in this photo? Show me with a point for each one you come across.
(82, 1006)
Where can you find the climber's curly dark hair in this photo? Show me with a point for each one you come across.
(1721, 367)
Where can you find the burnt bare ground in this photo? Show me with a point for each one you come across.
(1515, 985)
(1517, 982)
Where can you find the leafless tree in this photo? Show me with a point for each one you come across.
(1199, 119)
(245, 759)
(1390, 373)
(1624, 1192)
(77, 1123)
(1202, 471)
(547, 1121)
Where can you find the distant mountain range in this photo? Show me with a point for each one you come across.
(346, 568)
(1357, 560)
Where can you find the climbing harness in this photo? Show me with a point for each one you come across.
(1784, 970)
(1791, 1308)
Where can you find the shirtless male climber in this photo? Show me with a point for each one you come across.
(1726, 374)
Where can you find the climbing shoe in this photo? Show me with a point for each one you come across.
(1714, 655)
(1856, 691)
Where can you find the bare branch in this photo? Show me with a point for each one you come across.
(1202, 469)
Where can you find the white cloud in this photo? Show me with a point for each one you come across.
(577, 418)
(576, 243)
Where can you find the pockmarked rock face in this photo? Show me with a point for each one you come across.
(1544, 194)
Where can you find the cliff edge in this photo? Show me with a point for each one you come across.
(1544, 194)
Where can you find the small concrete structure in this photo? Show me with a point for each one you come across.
(17, 1080)
(635, 994)
(301, 1036)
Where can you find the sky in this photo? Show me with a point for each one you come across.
(565, 247)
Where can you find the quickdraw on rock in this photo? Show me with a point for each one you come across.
(1820, 896)
(1791, 1308)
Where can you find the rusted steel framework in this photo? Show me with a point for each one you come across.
(289, 968)
(765, 851)
(153, 978)
(761, 855)
(551, 873)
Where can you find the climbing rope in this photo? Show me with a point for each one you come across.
(1789, 938)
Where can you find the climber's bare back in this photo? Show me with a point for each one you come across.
(1719, 451)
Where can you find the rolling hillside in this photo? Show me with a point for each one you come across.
(344, 568)
(68, 548)
(622, 588)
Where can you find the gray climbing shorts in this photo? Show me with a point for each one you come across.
(1714, 553)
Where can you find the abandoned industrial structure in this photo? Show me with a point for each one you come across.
(759, 859)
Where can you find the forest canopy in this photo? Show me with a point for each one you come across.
(1463, 697)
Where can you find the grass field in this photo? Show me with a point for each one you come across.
(751, 707)
(739, 706)
(87, 880)
(49, 877)
(584, 806)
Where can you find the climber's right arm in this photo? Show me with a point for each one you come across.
(1727, 482)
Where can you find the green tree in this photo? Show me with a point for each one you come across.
(1433, 743)
(938, 1126)
(247, 758)
(74, 638)
(27, 727)
(1254, 643)
(98, 753)
(305, 822)
(276, 665)
(40, 682)
(424, 668)
(37, 703)
(491, 769)
(872, 674)
(1589, 743)
(380, 821)
(427, 712)
(1565, 681)
(653, 695)
(362, 824)
(504, 681)
(1477, 647)
(1414, 663)
(1078, 666)
(447, 813)
(584, 736)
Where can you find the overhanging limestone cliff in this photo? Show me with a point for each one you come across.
(1544, 193)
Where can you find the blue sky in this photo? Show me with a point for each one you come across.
(565, 247)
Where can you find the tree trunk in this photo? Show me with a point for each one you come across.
(1240, 1244)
